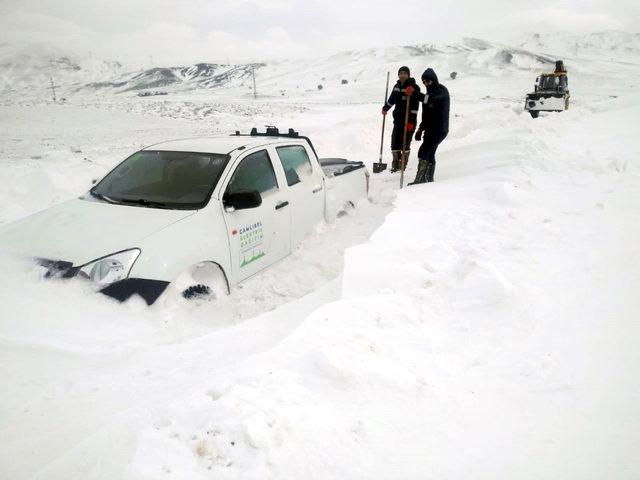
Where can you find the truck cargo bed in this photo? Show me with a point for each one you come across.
(334, 167)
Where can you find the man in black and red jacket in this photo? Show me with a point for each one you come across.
(405, 86)
(434, 125)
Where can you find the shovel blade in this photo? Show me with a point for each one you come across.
(379, 167)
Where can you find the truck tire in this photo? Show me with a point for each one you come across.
(207, 281)
(534, 113)
(196, 291)
(204, 281)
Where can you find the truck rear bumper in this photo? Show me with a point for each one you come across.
(546, 103)
(347, 183)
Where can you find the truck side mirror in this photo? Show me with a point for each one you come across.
(241, 200)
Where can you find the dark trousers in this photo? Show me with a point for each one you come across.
(397, 137)
(427, 157)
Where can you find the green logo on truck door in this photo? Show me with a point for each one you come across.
(250, 238)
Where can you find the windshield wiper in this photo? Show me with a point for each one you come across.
(104, 198)
(145, 203)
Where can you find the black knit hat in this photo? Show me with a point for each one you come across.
(404, 69)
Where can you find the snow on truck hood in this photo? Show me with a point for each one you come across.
(80, 231)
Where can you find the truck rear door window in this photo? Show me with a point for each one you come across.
(255, 172)
(295, 162)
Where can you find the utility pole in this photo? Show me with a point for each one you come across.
(53, 89)
(253, 72)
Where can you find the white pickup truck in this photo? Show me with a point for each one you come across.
(197, 215)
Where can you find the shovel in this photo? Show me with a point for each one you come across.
(381, 167)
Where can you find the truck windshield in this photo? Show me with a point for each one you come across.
(158, 179)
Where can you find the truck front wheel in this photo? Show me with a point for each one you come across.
(204, 281)
(534, 113)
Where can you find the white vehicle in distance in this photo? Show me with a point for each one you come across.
(199, 215)
(551, 92)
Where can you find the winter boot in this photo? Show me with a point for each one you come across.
(421, 174)
(395, 163)
(431, 169)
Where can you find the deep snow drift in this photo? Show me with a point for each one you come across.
(484, 326)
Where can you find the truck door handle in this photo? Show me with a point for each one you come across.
(317, 188)
(281, 205)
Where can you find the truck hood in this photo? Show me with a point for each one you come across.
(80, 231)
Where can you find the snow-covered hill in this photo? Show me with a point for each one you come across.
(27, 70)
(483, 326)
(621, 46)
(201, 75)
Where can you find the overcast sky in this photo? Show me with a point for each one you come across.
(187, 31)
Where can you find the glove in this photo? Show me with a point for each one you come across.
(419, 135)
(408, 90)
(410, 127)
(384, 112)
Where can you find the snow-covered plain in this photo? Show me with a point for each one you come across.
(483, 326)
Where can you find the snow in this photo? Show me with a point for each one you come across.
(483, 326)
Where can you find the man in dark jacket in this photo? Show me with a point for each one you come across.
(434, 125)
(404, 87)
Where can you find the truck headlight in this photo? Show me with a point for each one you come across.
(111, 268)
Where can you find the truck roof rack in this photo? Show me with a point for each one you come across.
(272, 131)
